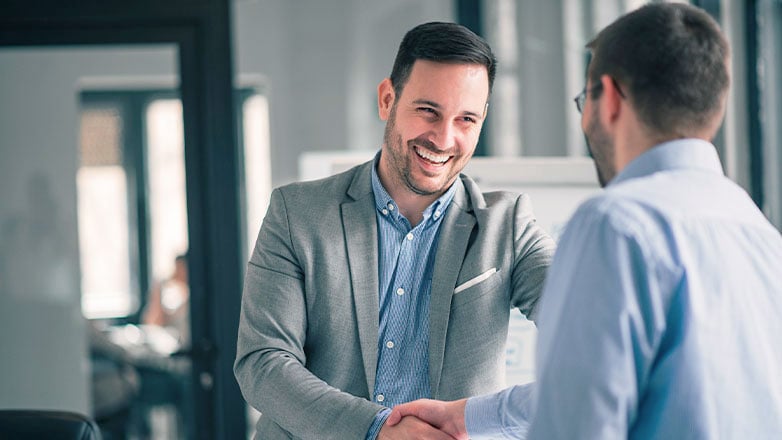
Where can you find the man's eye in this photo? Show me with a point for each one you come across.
(427, 110)
(469, 119)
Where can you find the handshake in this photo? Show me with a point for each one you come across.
(426, 419)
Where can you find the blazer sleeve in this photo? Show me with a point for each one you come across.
(271, 361)
(533, 254)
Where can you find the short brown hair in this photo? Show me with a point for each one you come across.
(673, 60)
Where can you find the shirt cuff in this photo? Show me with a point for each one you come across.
(377, 424)
(505, 415)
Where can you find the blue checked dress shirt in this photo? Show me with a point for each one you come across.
(406, 259)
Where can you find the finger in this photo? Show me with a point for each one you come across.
(394, 417)
(432, 433)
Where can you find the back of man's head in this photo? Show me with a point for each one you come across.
(442, 43)
(673, 60)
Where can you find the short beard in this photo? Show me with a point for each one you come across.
(601, 149)
(392, 142)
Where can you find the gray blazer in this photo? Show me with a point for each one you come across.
(308, 332)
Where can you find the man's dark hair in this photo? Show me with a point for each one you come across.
(442, 43)
(673, 60)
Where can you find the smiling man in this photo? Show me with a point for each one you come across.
(392, 281)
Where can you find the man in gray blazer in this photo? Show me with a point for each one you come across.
(393, 280)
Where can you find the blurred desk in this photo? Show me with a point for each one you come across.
(163, 368)
(144, 341)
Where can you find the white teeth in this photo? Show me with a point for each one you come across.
(436, 158)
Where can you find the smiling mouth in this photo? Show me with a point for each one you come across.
(437, 159)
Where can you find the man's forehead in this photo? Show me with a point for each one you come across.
(423, 64)
(427, 83)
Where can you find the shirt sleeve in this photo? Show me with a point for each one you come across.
(503, 415)
(602, 317)
(601, 320)
(377, 424)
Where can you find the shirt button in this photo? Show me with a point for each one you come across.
(384, 211)
(409, 236)
(400, 291)
(390, 344)
(436, 214)
(390, 206)
(380, 397)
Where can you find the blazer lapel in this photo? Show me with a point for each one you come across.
(452, 246)
(360, 226)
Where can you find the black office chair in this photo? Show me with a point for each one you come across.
(42, 424)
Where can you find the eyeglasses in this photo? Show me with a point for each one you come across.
(581, 98)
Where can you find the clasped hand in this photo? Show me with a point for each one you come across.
(426, 419)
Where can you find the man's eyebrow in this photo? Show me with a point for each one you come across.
(427, 102)
(437, 106)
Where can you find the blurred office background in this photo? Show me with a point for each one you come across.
(131, 134)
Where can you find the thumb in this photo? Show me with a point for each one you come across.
(395, 417)
(413, 408)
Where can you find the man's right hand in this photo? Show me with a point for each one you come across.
(410, 427)
(446, 416)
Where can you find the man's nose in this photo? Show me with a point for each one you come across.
(445, 134)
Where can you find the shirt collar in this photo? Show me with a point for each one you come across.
(677, 154)
(386, 205)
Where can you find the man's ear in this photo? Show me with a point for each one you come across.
(610, 101)
(385, 99)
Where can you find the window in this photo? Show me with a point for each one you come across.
(103, 214)
(255, 141)
(131, 188)
(165, 141)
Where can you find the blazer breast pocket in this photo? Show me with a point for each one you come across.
(476, 287)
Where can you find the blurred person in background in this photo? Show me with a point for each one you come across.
(168, 305)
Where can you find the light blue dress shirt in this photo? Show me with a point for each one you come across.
(661, 315)
(406, 262)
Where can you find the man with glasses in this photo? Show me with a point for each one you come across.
(662, 311)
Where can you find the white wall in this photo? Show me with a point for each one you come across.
(44, 361)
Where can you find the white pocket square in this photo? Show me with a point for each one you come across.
(473, 281)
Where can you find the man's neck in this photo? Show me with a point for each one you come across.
(632, 139)
(412, 205)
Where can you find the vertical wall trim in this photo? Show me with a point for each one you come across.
(753, 104)
(469, 14)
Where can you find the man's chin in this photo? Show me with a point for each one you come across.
(422, 189)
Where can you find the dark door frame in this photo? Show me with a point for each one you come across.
(201, 31)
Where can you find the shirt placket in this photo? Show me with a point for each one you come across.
(401, 310)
